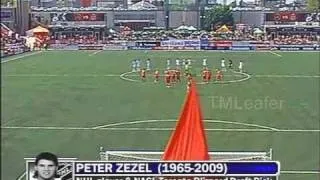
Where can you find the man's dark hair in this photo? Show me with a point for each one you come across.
(46, 156)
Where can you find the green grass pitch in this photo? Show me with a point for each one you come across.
(82, 89)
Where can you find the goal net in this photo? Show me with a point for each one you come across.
(156, 156)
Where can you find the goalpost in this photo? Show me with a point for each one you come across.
(156, 155)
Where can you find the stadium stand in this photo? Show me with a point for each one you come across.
(11, 42)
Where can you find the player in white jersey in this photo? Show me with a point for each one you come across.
(223, 65)
(168, 64)
(241, 66)
(189, 62)
(148, 63)
(204, 63)
(138, 64)
(186, 65)
(133, 65)
(178, 63)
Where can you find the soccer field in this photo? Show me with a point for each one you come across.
(72, 102)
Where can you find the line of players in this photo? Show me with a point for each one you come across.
(223, 66)
(172, 76)
(136, 64)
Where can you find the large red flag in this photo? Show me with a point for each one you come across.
(188, 141)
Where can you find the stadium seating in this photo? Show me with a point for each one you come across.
(11, 43)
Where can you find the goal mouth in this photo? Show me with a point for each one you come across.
(156, 155)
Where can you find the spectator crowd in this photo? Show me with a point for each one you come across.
(295, 40)
(11, 43)
(161, 35)
(85, 38)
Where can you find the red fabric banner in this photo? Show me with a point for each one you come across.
(188, 141)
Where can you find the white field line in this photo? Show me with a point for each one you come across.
(20, 57)
(94, 53)
(247, 76)
(275, 54)
(159, 129)
(134, 122)
(313, 51)
(174, 120)
(112, 127)
(123, 76)
(62, 75)
(287, 76)
(299, 172)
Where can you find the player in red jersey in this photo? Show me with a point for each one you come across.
(143, 74)
(156, 76)
(173, 76)
(204, 75)
(209, 75)
(178, 73)
(167, 78)
(219, 75)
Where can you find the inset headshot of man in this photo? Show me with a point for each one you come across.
(46, 166)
